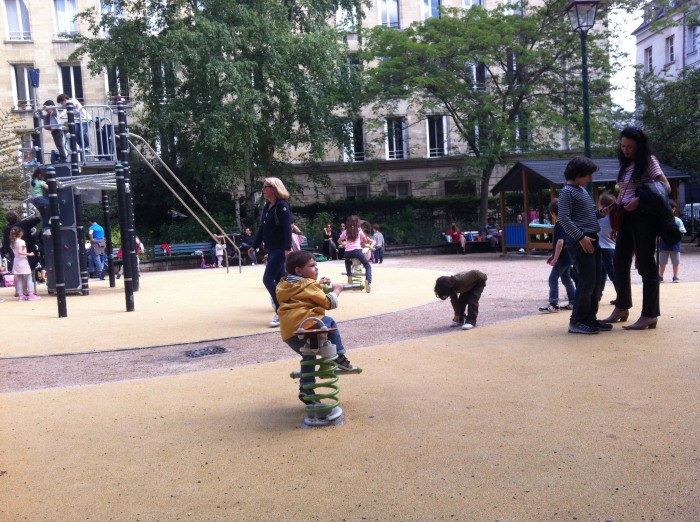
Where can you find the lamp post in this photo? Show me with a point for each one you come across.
(582, 17)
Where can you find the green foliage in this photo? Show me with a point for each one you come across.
(669, 110)
(229, 87)
(530, 90)
(402, 221)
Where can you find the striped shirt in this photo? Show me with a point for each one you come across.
(628, 187)
(577, 213)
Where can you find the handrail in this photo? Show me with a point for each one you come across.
(213, 236)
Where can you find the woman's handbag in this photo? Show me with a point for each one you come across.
(617, 217)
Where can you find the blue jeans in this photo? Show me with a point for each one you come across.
(96, 262)
(379, 254)
(42, 205)
(296, 344)
(357, 254)
(274, 272)
(588, 268)
(563, 271)
(607, 255)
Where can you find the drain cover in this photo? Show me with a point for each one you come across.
(210, 350)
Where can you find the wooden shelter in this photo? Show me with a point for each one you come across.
(538, 178)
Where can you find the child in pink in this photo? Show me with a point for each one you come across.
(353, 239)
(20, 266)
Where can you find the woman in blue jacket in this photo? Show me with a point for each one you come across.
(276, 233)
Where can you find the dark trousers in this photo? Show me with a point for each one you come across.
(588, 270)
(59, 140)
(468, 303)
(637, 237)
(274, 272)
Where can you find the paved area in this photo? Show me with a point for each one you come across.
(514, 420)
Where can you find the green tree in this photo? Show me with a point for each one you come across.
(230, 88)
(670, 111)
(9, 164)
(511, 83)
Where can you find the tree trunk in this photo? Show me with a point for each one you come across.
(484, 196)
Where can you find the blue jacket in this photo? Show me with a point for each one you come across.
(276, 228)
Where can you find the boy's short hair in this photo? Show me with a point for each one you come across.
(606, 199)
(444, 287)
(579, 167)
(554, 206)
(297, 259)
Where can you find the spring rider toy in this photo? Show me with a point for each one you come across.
(324, 410)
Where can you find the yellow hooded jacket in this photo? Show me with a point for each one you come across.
(299, 298)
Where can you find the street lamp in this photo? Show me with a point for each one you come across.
(582, 18)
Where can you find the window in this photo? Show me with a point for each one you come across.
(648, 61)
(18, 20)
(346, 20)
(670, 55)
(399, 189)
(117, 82)
(469, 3)
(72, 82)
(395, 138)
(65, 17)
(356, 192)
(358, 140)
(111, 8)
(431, 9)
(22, 84)
(389, 13)
(693, 38)
(437, 136)
(477, 75)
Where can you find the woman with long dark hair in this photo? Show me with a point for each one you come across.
(637, 235)
(276, 233)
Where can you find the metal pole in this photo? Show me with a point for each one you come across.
(108, 238)
(58, 262)
(586, 108)
(77, 201)
(124, 152)
(121, 199)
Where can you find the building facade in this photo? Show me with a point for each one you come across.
(668, 40)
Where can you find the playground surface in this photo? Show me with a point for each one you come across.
(514, 420)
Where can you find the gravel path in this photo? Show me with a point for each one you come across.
(517, 285)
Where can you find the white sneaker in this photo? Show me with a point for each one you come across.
(275, 321)
(467, 326)
(454, 324)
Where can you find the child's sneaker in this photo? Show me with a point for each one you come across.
(455, 324)
(304, 396)
(368, 287)
(23, 298)
(549, 309)
(568, 306)
(467, 326)
(676, 280)
(33, 297)
(343, 363)
(275, 321)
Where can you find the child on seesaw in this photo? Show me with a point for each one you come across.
(300, 296)
(464, 290)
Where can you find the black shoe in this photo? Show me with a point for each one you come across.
(581, 328)
(602, 327)
(343, 363)
(304, 396)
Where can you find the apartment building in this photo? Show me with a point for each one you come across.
(667, 40)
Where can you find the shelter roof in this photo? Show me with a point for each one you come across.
(548, 173)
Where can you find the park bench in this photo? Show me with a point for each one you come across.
(184, 249)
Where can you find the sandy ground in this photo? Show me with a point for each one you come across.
(514, 420)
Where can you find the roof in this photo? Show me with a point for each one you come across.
(545, 174)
